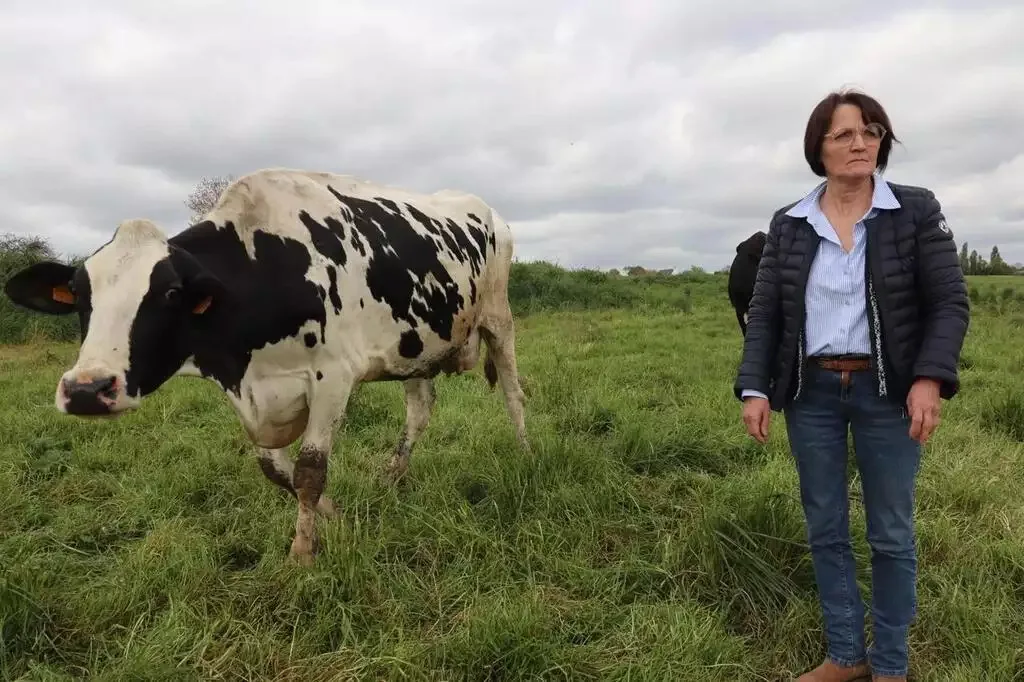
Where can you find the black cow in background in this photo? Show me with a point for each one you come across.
(743, 274)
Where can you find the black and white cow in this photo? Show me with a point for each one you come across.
(296, 287)
(743, 275)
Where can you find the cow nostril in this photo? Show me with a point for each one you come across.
(106, 385)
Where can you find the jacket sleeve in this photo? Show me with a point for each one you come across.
(762, 320)
(945, 304)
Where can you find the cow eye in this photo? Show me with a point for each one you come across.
(172, 296)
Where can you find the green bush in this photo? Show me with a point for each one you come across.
(540, 286)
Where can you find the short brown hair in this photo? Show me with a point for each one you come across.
(821, 118)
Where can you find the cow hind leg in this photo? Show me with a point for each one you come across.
(279, 469)
(310, 471)
(419, 403)
(501, 356)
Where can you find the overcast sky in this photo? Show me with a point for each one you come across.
(659, 134)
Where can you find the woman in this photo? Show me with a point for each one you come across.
(857, 320)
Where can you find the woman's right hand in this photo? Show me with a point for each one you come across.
(757, 415)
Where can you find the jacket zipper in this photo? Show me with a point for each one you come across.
(800, 364)
(801, 337)
(874, 321)
(876, 340)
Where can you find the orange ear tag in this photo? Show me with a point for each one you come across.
(62, 294)
(203, 305)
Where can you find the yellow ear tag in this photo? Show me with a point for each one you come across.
(62, 294)
(203, 305)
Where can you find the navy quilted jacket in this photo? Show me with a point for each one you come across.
(918, 308)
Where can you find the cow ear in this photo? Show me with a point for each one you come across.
(201, 287)
(44, 287)
(204, 303)
(202, 290)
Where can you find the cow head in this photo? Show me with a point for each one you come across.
(752, 246)
(139, 301)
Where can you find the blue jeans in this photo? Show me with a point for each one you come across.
(887, 458)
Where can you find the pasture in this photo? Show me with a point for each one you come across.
(646, 538)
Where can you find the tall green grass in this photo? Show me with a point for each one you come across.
(646, 538)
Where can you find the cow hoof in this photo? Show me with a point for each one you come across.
(395, 470)
(303, 560)
(304, 552)
(327, 508)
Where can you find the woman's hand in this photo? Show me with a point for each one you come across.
(923, 407)
(757, 415)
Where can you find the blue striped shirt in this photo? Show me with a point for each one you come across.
(836, 319)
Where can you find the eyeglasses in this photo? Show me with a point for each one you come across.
(872, 132)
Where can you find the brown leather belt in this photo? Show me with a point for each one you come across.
(842, 364)
(855, 363)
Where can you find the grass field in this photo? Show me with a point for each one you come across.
(647, 538)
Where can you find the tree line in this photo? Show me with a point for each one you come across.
(975, 264)
(17, 251)
(533, 286)
(209, 189)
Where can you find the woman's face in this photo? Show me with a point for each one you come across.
(850, 149)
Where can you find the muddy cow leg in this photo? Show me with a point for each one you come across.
(278, 467)
(327, 411)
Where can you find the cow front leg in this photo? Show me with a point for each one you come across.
(279, 469)
(310, 477)
(310, 472)
(420, 396)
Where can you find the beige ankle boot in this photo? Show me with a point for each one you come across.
(830, 672)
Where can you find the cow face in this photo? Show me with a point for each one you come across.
(753, 246)
(139, 301)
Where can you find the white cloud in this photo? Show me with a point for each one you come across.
(654, 132)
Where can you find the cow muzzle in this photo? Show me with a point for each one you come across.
(92, 394)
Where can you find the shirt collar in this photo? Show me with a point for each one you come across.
(881, 198)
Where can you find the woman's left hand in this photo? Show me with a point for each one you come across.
(923, 407)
